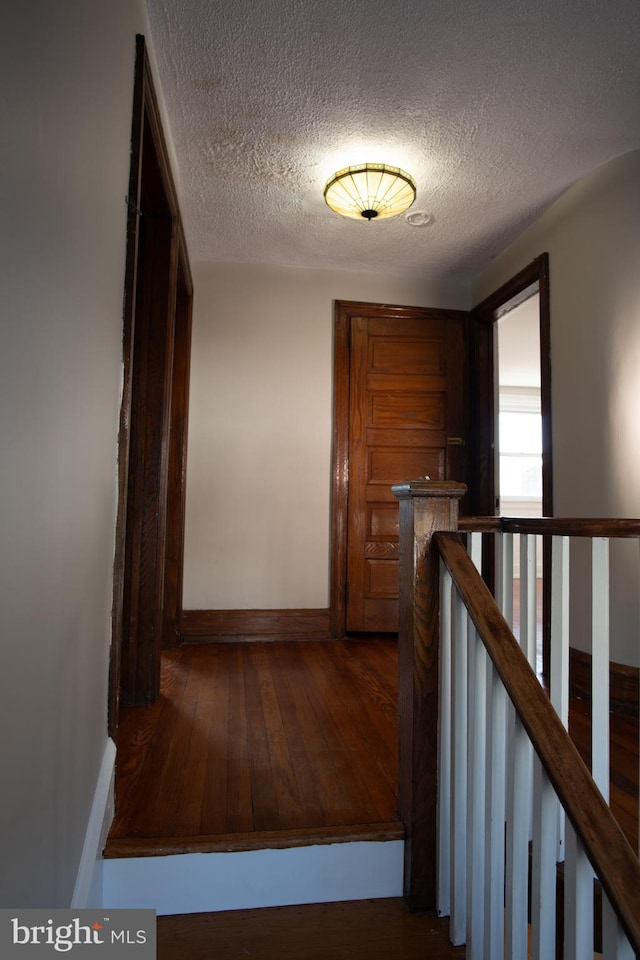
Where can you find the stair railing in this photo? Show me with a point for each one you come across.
(499, 753)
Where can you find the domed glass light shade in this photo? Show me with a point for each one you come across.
(371, 190)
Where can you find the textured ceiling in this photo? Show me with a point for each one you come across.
(494, 106)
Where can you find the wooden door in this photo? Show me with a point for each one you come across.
(407, 379)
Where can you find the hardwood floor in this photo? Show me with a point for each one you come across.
(291, 741)
(288, 742)
(357, 930)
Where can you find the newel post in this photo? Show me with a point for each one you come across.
(426, 507)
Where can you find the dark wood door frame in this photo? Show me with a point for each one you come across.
(344, 312)
(485, 314)
(147, 595)
(177, 465)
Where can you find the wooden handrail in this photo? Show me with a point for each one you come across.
(480, 524)
(609, 851)
(560, 527)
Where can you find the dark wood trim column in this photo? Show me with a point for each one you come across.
(147, 594)
(425, 508)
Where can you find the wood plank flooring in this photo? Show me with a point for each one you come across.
(252, 741)
(357, 930)
(285, 743)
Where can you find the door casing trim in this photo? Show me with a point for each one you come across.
(146, 112)
(484, 316)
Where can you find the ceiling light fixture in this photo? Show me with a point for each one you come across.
(370, 190)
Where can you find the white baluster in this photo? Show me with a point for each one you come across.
(578, 900)
(600, 664)
(543, 872)
(528, 596)
(615, 945)
(458, 900)
(517, 859)
(504, 576)
(559, 665)
(495, 813)
(444, 759)
(528, 545)
(475, 549)
(476, 794)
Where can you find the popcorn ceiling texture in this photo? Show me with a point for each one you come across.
(494, 107)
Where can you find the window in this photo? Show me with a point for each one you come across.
(520, 447)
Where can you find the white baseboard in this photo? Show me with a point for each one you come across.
(203, 882)
(88, 889)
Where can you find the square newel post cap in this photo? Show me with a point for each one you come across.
(429, 490)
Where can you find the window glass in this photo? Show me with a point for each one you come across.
(520, 432)
(520, 454)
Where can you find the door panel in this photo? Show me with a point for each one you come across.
(406, 420)
(404, 410)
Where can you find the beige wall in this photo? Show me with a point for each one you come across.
(593, 241)
(259, 462)
(67, 77)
